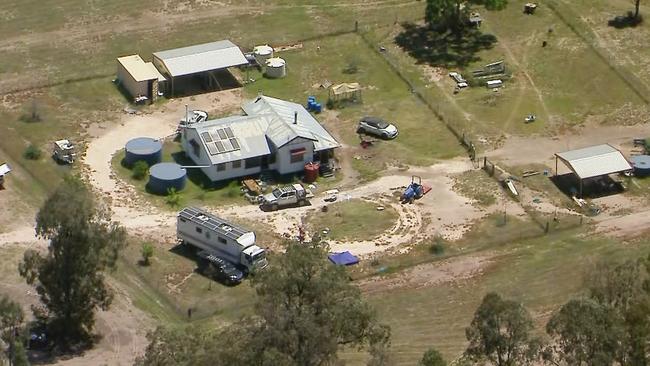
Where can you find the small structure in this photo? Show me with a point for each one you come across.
(64, 151)
(345, 91)
(143, 148)
(490, 70)
(343, 258)
(165, 176)
(593, 161)
(4, 170)
(529, 8)
(492, 84)
(140, 79)
(475, 19)
(276, 68)
(203, 60)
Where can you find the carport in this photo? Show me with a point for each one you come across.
(206, 60)
(593, 161)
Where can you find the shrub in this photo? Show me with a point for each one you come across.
(32, 152)
(438, 246)
(173, 197)
(233, 190)
(140, 170)
(147, 253)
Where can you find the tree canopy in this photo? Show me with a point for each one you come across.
(305, 310)
(432, 358)
(500, 333)
(69, 278)
(452, 14)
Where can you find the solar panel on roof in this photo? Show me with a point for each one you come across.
(215, 136)
(222, 134)
(235, 144)
(211, 149)
(206, 137)
(219, 146)
(227, 145)
(229, 132)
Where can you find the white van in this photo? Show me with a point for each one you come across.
(494, 84)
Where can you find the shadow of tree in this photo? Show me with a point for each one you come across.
(443, 48)
(627, 21)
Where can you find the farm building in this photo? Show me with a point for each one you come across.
(204, 66)
(592, 166)
(140, 79)
(274, 135)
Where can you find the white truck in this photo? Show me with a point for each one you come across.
(294, 194)
(216, 236)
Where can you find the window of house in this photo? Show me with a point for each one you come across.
(298, 155)
(207, 234)
(199, 230)
(253, 162)
(236, 164)
(222, 240)
(196, 149)
(221, 167)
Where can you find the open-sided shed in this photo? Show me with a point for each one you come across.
(593, 161)
(203, 59)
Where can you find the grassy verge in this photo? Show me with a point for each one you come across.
(353, 220)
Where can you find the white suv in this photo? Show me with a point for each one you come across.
(378, 127)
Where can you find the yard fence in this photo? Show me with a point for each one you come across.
(572, 20)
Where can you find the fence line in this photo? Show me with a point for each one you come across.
(634, 83)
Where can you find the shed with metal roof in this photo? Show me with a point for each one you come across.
(138, 78)
(204, 59)
(593, 161)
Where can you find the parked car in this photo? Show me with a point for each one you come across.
(219, 269)
(378, 127)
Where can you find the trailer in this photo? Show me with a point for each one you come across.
(64, 151)
(202, 230)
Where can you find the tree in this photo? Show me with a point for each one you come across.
(69, 278)
(450, 14)
(32, 152)
(500, 333)
(305, 309)
(11, 320)
(637, 5)
(147, 253)
(432, 358)
(584, 332)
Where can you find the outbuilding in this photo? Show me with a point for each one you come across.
(203, 66)
(592, 162)
(139, 79)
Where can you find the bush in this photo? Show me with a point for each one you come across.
(233, 190)
(32, 152)
(140, 170)
(438, 246)
(173, 197)
(147, 253)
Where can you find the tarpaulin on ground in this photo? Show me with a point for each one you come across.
(343, 258)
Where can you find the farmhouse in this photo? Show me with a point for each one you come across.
(204, 64)
(274, 135)
(140, 79)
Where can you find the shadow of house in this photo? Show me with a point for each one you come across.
(443, 48)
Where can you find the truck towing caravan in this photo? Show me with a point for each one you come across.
(216, 236)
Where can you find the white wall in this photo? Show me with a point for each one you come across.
(284, 164)
(128, 82)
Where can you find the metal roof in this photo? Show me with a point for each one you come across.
(140, 70)
(307, 126)
(202, 57)
(595, 161)
(212, 222)
(248, 131)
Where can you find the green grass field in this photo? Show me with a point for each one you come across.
(352, 220)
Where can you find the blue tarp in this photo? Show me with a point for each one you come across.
(343, 258)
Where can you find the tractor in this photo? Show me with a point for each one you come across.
(414, 191)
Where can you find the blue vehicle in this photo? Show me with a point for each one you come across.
(414, 191)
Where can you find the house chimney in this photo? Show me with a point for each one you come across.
(295, 118)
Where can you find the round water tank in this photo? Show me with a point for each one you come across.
(263, 53)
(641, 164)
(143, 148)
(164, 176)
(276, 68)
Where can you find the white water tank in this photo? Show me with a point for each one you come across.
(263, 53)
(276, 68)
